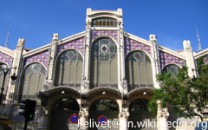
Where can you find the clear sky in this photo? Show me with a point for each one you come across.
(171, 20)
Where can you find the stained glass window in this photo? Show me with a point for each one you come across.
(104, 49)
(104, 69)
(69, 69)
(172, 69)
(138, 70)
(33, 80)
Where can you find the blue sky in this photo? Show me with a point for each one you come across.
(171, 20)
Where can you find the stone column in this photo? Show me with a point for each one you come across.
(123, 119)
(162, 116)
(53, 53)
(16, 69)
(155, 59)
(83, 114)
(123, 114)
(190, 62)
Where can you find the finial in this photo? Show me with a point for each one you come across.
(152, 37)
(55, 36)
(187, 45)
(21, 42)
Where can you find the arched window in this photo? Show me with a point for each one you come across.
(33, 80)
(104, 22)
(172, 69)
(138, 70)
(4, 79)
(104, 63)
(69, 69)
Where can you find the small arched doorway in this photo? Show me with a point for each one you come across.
(63, 114)
(140, 118)
(103, 109)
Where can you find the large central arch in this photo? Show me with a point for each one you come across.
(103, 104)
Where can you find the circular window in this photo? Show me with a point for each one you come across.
(104, 49)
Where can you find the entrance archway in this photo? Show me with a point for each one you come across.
(103, 111)
(64, 114)
(140, 118)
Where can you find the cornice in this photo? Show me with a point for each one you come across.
(200, 53)
(7, 51)
(136, 38)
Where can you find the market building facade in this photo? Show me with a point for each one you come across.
(100, 74)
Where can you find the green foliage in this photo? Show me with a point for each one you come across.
(183, 94)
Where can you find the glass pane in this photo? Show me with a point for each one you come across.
(172, 69)
(104, 49)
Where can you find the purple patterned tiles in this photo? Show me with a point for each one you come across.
(166, 59)
(131, 45)
(4, 58)
(108, 33)
(205, 59)
(42, 57)
(77, 44)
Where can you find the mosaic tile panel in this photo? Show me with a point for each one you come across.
(77, 44)
(42, 57)
(4, 58)
(166, 59)
(108, 33)
(131, 45)
(205, 59)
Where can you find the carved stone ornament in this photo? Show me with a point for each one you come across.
(83, 113)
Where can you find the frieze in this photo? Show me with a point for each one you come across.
(42, 57)
(109, 33)
(166, 59)
(131, 45)
(77, 44)
(4, 58)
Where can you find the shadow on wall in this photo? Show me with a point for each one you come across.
(5, 127)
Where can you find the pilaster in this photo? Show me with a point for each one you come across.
(16, 69)
(53, 52)
(86, 74)
(190, 63)
(122, 85)
(155, 59)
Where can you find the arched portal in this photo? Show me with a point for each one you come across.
(140, 117)
(64, 114)
(103, 110)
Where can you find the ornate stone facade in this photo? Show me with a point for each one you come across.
(113, 101)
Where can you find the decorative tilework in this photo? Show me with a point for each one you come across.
(130, 45)
(6, 59)
(77, 44)
(205, 59)
(166, 59)
(108, 33)
(42, 57)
